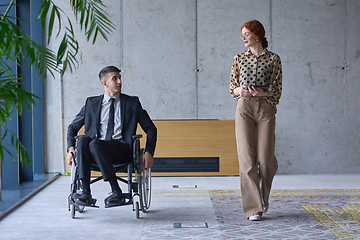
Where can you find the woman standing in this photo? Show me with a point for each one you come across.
(256, 83)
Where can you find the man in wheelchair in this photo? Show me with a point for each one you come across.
(110, 122)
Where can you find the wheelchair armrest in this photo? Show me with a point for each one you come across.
(137, 137)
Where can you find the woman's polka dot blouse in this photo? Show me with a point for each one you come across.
(247, 69)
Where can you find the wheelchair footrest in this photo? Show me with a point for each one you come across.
(85, 205)
(72, 202)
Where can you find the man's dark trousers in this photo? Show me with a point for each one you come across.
(102, 152)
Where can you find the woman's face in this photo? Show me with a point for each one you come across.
(248, 37)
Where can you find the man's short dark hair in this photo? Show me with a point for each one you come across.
(107, 70)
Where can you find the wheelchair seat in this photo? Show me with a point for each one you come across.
(118, 167)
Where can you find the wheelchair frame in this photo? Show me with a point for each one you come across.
(139, 183)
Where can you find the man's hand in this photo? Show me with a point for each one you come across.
(69, 155)
(148, 160)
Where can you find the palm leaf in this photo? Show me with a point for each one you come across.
(15, 45)
(92, 18)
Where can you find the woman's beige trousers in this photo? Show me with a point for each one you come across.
(255, 137)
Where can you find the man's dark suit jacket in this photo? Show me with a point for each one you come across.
(132, 113)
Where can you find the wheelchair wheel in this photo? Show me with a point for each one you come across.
(145, 189)
(137, 210)
(72, 211)
(76, 187)
(73, 187)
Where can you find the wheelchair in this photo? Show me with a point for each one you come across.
(138, 180)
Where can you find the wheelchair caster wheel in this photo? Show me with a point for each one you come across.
(80, 209)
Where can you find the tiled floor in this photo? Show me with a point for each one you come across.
(302, 207)
(10, 199)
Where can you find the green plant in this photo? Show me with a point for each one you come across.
(15, 45)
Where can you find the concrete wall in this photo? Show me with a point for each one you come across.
(176, 56)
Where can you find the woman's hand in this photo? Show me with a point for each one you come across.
(257, 92)
(242, 91)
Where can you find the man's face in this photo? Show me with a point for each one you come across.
(112, 83)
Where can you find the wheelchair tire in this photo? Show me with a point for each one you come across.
(145, 189)
(137, 209)
(72, 211)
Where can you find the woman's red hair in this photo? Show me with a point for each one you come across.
(258, 29)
